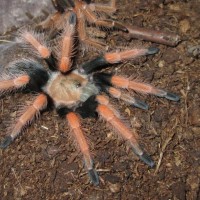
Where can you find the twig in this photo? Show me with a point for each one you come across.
(164, 146)
(22, 189)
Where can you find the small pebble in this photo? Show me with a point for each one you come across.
(184, 26)
(114, 188)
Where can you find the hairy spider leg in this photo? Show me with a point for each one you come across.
(13, 84)
(131, 137)
(115, 57)
(116, 93)
(32, 112)
(129, 54)
(75, 125)
(122, 82)
(67, 44)
(78, 8)
(38, 44)
(41, 48)
(82, 32)
(53, 23)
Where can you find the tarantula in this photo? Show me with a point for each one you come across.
(91, 13)
(75, 93)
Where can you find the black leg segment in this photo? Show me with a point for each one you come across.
(63, 111)
(94, 65)
(102, 80)
(51, 62)
(37, 73)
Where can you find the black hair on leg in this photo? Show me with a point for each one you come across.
(94, 65)
(63, 111)
(37, 73)
(51, 62)
(102, 79)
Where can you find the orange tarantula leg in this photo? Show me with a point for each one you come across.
(13, 84)
(83, 35)
(142, 87)
(32, 112)
(37, 42)
(43, 51)
(67, 44)
(129, 54)
(116, 57)
(104, 8)
(106, 113)
(127, 98)
(51, 21)
(74, 123)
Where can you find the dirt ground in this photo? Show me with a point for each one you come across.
(43, 162)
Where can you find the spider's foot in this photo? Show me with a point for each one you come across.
(147, 159)
(140, 104)
(167, 95)
(142, 154)
(152, 50)
(93, 176)
(172, 97)
(91, 171)
(72, 18)
(6, 142)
